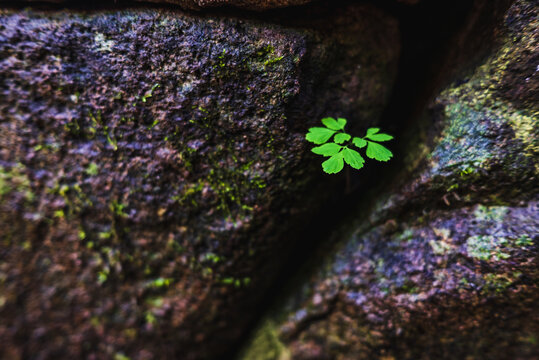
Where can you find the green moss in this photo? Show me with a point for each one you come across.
(473, 109)
(526, 129)
(92, 169)
(155, 302)
(227, 281)
(483, 92)
(271, 58)
(150, 318)
(524, 241)
(73, 127)
(118, 209)
(272, 61)
(148, 94)
(213, 258)
(15, 180)
(160, 283)
(229, 184)
(452, 187)
(531, 339)
(266, 345)
(75, 199)
(102, 276)
(236, 282)
(496, 284)
(263, 59)
(120, 356)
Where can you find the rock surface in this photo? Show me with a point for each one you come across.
(152, 165)
(445, 266)
(257, 5)
(247, 4)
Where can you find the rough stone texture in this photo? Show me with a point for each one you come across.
(445, 266)
(247, 4)
(152, 165)
(257, 5)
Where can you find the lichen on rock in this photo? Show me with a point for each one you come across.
(153, 167)
(444, 265)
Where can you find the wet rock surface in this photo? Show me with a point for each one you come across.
(445, 265)
(152, 168)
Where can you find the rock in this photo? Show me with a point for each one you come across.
(153, 167)
(246, 4)
(258, 5)
(445, 265)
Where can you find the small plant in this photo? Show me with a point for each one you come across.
(340, 150)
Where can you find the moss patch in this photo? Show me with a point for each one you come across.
(266, 345)
(14, 179)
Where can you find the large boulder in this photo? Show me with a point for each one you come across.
(445, 265)
(153, 166)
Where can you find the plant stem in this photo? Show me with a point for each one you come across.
(348, 187)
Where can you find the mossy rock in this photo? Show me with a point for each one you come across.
(444, 265)
(153, 168)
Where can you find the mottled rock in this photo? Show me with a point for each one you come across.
(153, 164)
(258, 5)
(247, 4)
(445, 265)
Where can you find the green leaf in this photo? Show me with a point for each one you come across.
(342, 137)
(342, 122)
(372, 131)
(352, 158)
(319, 135)
(379, 137)
(359, 142)
(333, 124)
(328, 149)
(334, 164)
(378, 152)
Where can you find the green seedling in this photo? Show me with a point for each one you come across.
(341, 149)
